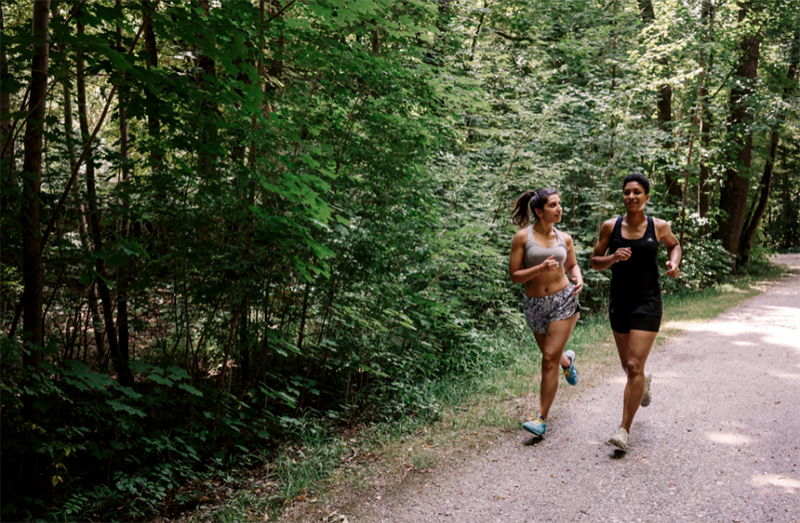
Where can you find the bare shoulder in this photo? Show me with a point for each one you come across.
(567, 238)
(664, 232)
(608, 225)
(520, 237)
(661, 225)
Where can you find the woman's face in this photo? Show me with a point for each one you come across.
(551, 212)
(634, 197)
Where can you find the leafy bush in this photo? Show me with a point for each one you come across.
(704, 262)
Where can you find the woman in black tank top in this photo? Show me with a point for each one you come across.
(629, 245)
(634, 281)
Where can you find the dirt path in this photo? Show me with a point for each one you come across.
(720, 442)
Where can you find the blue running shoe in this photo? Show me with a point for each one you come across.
(537, 426)
(569, 372)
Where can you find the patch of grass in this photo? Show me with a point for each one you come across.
(320, 474)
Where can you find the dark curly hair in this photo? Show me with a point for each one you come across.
(527, 203)
(637, 177)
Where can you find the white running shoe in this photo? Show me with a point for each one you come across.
(620, 439)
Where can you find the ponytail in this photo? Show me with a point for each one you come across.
(526, 204)
(520, 213)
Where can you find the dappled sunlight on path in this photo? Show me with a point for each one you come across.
(789, 485)
(719, 442)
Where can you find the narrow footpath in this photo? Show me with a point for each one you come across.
(719, 443)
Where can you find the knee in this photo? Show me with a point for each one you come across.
(550, 362)
(634, 367)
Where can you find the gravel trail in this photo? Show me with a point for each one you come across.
(719, 443)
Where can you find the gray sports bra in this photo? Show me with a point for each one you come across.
(536, 254)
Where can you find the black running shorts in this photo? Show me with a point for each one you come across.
(624, 323)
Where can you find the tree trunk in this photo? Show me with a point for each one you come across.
(244, 342)
(786, 239)
(733, 195)
(123, 373)
(152, 110)
(749, 234)
(7, 159)
(33, 271)
(84, 229)
(208, 132)
(122, 272)
(705, 118)
(646, 11)
(7, 177)
(478, 29)
(665, 123)
(33, 324)
(664, 106)
(5, 109)
(275, 68)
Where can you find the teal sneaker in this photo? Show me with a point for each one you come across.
(537, 426)
(569, 372)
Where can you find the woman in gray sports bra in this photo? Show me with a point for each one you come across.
(541, 258)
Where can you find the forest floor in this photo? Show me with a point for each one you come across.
(718, 443)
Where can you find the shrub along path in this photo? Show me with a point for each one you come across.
(719, 442)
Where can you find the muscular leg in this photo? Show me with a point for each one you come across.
(634, 348)
(552, 344)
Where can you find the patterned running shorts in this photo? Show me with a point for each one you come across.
(556, 307)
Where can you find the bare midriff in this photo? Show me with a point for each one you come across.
(547, 283)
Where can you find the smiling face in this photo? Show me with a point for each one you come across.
(551, 212)
(634, 197)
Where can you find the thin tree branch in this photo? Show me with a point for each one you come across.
(88, 145)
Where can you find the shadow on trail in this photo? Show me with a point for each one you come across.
(533, 441)
(617, 454)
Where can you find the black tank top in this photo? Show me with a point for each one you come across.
(634, 282)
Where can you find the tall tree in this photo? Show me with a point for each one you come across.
(83, 228)
(664, 106)
(33, 324)
(32, 267)
(151, 62)
(754, 220)
(707, 62)
(733, 196)
(95, 221)
(206, 70)
(7, 178)
(5, 110)
(122, 187)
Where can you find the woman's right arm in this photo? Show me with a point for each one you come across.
(600, 261)
(518, 274)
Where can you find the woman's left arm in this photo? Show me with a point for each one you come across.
(571, 265)
(674, 252)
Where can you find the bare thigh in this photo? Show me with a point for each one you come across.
(553, 342)
(634, 348)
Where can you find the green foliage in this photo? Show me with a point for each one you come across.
(315, 230)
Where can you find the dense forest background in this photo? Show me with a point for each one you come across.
(223, 220)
